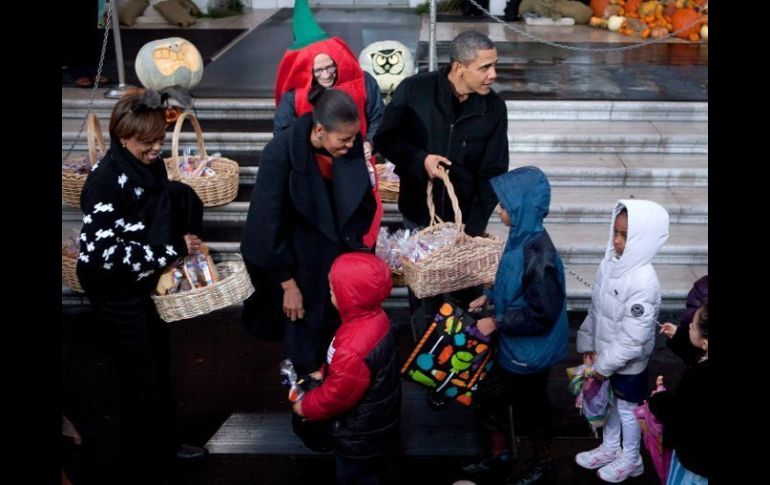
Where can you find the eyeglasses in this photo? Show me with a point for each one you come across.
(328, 69)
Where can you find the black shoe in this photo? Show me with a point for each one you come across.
(539, 474)
(189, 453)
(490, 467)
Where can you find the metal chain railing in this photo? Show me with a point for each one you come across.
(534, 37)
(577, 276)
(107, 25)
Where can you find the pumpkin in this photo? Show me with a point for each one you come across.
(683, 17)
(173, 61)
(598, 7)
(615, 22)
(389, 62)
(632, 5)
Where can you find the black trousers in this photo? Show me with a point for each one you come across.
(531, 406)
(142, 355)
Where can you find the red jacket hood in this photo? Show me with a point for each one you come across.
(361, 282)
(295, 73)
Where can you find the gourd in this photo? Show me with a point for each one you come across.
(615, 22)
(173, 61)
(681, 18)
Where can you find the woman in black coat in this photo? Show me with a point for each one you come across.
(136, 222)
(311, 202)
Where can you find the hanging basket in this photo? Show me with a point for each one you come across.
(219, 189)
(71, 182)
(69, 273)
(233, 287)
(469, 261)
(388, 190)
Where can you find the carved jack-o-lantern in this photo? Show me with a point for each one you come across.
(168, 62)
(389, 61)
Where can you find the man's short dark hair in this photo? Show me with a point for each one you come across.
(465, 47)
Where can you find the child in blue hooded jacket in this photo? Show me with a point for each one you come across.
(530, 317)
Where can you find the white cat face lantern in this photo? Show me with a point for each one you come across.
(389, 61)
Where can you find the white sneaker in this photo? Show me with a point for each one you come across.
(597, 458)
(620, 469)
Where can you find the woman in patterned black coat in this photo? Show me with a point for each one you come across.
(136, 222)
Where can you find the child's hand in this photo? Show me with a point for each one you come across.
(478, 303)
(668, 329)
(589, 358)
(486, 326)
(316, 376)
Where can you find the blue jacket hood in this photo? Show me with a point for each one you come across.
(525, 194)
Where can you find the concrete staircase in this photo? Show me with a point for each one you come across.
(594, 152)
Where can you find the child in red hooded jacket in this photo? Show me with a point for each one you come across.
(360, 395)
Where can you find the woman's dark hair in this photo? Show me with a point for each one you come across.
(315, 91)
(334, 108)
(703, 323)
(131, 119)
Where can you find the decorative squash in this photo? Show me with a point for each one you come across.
(169, 62)
(598, 7)
(704, 33)
(683, 17)
(615, 22)
(633, 6)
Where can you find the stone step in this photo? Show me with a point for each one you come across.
(675, 280)
(685, 205)
(264, 109)
(523, 136)
(577, 243)
(588, 169)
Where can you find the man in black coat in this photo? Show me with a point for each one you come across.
(448, 119)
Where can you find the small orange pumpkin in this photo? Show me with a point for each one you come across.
(683, 17)
(633, 5)
(598, 7)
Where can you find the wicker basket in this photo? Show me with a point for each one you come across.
(72, 183)
(234, 286)
(398, 277)
(69, 274)
(216, 190)
(388, 190)
(470, 261)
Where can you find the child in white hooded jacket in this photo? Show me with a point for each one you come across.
(618, 334)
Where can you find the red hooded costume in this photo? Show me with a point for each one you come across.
(295, 72)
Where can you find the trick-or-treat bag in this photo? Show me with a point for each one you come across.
(452, 356)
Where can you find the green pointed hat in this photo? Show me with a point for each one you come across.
(306, 29)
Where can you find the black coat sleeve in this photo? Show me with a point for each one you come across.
(494, 162)
(375, 108)
(544, 295)
(266, 241)
(390, 138)
(284, 113)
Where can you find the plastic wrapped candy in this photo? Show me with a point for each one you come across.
(592, 396)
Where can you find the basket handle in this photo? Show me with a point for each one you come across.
(94, 137)
(175, 139)
(444, 176)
